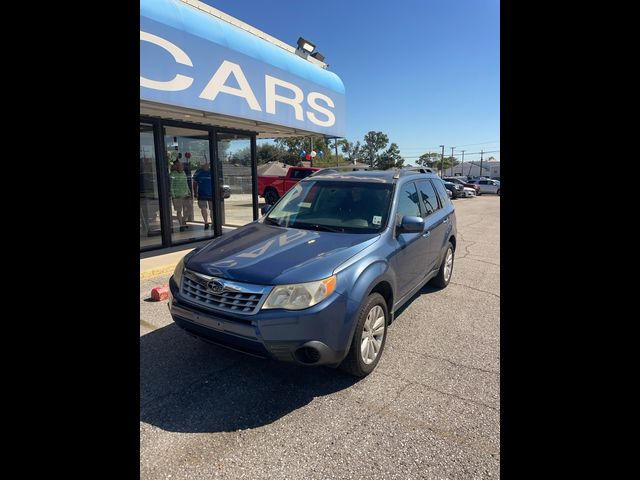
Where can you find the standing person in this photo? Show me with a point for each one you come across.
(203, 192)
(179, 191)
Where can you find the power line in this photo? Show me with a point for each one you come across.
(472, 153)
(465, 145)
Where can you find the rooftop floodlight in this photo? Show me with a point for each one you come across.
(318, 56)
(306, 45)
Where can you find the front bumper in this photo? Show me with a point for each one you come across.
(319, 335)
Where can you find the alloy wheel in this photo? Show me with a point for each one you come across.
(372, 334)
(448, 265)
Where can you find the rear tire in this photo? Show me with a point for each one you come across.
(446, 269)
(271, 196)
(368, 336)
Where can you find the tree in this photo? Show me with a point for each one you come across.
(434, 160)
(390, 158)
(269, 153)
(352, 152)
(293, 146)
(429, 159)
(373, 143)
(450, 162)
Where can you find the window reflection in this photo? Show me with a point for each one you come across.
(234, 152)
(149, 200)
(190, 183)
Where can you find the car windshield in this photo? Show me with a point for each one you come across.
(334, 206)
(454, 180)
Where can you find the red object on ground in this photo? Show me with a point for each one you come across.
(160, 293)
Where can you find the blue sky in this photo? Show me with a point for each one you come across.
(425, 72)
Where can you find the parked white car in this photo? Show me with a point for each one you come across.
(469, 192)
(488, 186)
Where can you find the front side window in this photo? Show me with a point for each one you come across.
(354, 207)
(408, 203)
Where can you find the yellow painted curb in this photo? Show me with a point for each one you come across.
(156, 272)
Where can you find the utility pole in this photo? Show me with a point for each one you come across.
(481, 152)
(335, 142)
(451, 171)
(442, 163)
(462, 166)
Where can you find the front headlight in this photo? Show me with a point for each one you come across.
(177, 273)
(300, 295)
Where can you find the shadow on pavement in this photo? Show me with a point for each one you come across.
(187, 385)
(424, 290)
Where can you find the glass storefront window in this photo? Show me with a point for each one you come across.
(234, 153)
(150, 226)
(190, 184)
(177, 182)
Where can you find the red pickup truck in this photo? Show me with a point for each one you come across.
(272, 187)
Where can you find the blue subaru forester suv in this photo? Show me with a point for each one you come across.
(319, 278)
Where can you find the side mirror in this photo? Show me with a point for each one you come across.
(266, 209)
(410, 224)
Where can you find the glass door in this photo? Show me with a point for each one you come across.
(190, 184)
(234, 155)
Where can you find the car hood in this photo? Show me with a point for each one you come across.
(271, 255)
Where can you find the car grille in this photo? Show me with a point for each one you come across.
(243, 299)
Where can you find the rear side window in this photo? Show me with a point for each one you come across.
(300, 174)
(442, 192)
(429, 196)
(408, 201)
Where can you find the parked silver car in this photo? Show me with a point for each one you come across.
(488, 186)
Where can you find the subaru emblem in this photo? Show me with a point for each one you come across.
(216, 286)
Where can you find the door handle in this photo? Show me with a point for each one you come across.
(426, 234)
(446, 220)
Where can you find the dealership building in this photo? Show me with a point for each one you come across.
(210, 86)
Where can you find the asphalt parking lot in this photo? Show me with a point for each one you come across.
(431, 409)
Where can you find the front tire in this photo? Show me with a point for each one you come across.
(446, 269)
(369, 337)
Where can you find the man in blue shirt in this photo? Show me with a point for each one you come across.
(202, 190)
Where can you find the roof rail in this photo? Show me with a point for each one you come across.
(343, 168)
(401, 172)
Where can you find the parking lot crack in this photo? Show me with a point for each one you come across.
(453, 363)
(482, 261)
(476, 289)
(413, 382)
(389, 403)
(473, 223)
(466, 248)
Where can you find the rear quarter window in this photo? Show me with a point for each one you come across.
(442, 191)
(429, 196)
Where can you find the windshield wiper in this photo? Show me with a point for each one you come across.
(271, 221)
(324, 228)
